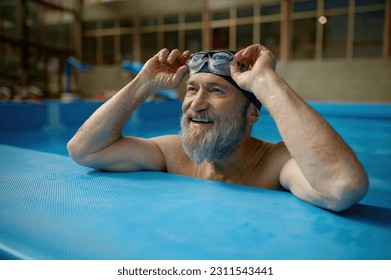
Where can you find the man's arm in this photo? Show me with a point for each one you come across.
(99, 144)
(323, 169)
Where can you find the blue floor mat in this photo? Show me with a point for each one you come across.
(52, 208)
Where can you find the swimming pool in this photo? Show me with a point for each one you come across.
(44, 182)
(48, 127)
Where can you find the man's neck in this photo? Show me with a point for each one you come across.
(230, 166)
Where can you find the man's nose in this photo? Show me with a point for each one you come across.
(200, 101)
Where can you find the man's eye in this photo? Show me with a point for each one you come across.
(191, 89)
(216, 90)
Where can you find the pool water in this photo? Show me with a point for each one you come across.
(48, 127)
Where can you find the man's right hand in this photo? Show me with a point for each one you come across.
(165, 70)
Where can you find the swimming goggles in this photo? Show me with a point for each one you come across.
(218, 62)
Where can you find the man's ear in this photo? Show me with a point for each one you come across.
(252, 114)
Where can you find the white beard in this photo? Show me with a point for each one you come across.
(216, 143)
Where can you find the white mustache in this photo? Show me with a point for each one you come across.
(203, 116)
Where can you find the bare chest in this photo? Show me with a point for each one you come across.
(261, 176)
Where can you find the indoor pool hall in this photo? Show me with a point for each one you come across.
(140, 130)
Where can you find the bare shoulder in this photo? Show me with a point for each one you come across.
(269, 159)
(167, 143)
(278, 149)
(176, 160)
(271, 151)
(276, 154)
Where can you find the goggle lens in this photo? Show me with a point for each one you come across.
(218, 62)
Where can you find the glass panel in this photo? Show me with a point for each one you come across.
(57, 26)
(9, 18)
(9, 59)
(89, 50)
(126, 47)
(66, 27)
(170, 40)
(221, 38)
(36, 66)
(193, 18)
(62, 3)
(52, 27)
(335, 36)
(148, 21)
(245, 12)
(170, 19)
(270, 9)
(108, 50)
(304, 36)
(244, 36)
(148, 45)
(107, 24)
(126, 23)
(270, 37)
(368, 34)
(331, 4)
(89, 25)
(33, 15)
(220, 15)
(304, 6)
(369, 2)
(193, 40)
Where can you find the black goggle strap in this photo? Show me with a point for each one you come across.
(250, 96)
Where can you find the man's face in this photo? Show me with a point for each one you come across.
(214, 118)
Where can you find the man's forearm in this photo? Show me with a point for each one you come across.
(105, 124)
(322, 155)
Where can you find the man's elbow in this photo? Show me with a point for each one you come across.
(349, 192)
(76, 152)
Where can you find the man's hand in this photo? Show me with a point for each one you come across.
(165, 70)
(257, 61)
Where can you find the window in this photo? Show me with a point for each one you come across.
(193, 40)
(368, 34)
(126, 47)
(244, 36)
(126, 23)
(89, 50)
(245, 12)
(220, 38)
(270, 37)
(304, 5)
(170, 40)
(9, 59)
(52, 28)
(219, 15)
(332, 4)
(193, 18)
(66, 31)
(274, 9)
(107, 24)
(170, 19)
(335, 36)
(369, 2)
(9, 18)
(148, 45)
(304, 37)
(148, 21)
(89, 25)
(108, 49)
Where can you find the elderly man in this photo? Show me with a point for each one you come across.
(224, 94)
